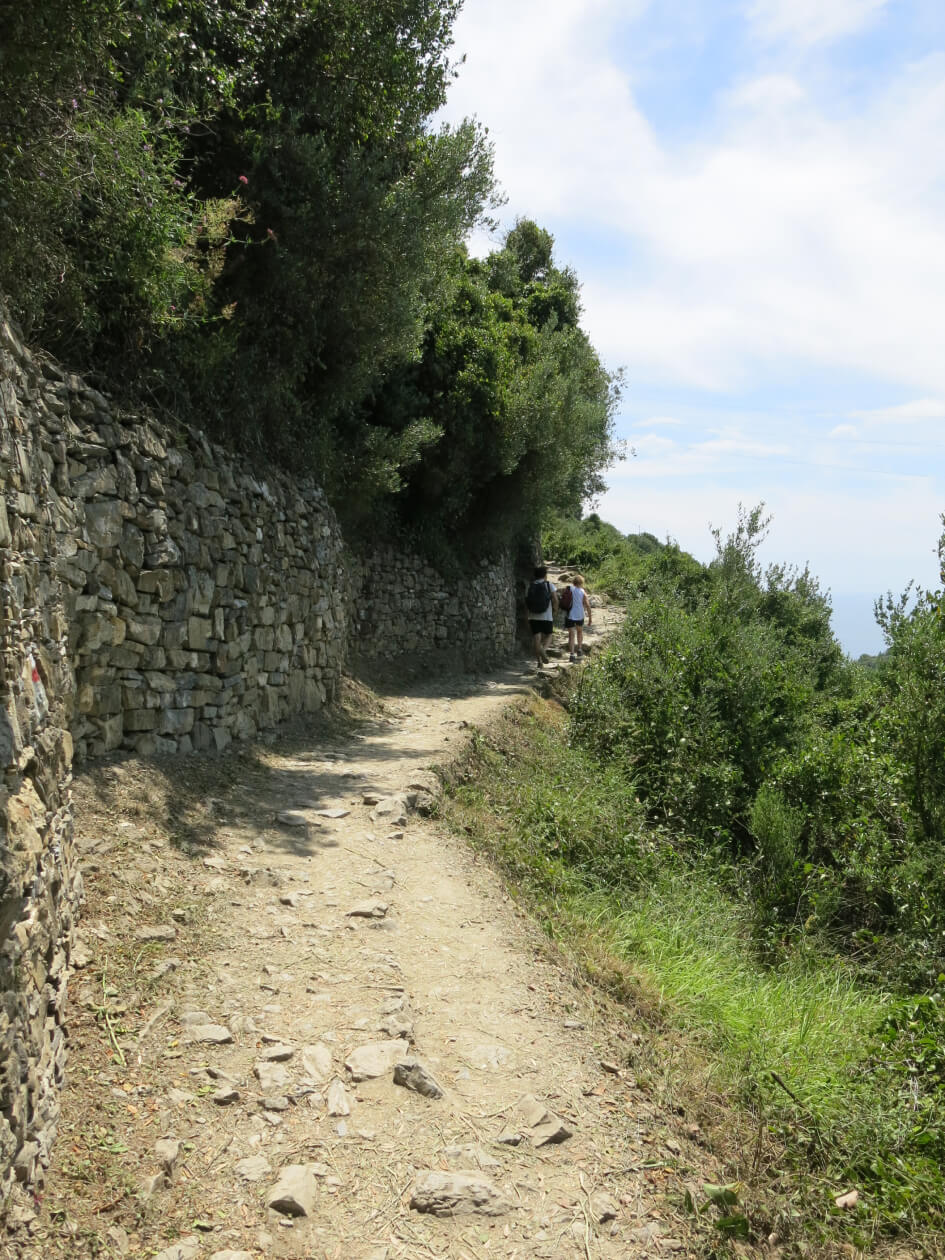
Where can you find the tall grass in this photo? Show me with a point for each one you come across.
(806, 1020)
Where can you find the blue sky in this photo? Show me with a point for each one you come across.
(752, 193)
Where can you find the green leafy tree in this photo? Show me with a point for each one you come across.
(515, 405)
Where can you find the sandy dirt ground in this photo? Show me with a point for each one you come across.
(310, 1022)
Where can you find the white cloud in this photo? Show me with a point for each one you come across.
(655, 421)
(917, 411)
(844, 431)
(789, 238)
(811, 21)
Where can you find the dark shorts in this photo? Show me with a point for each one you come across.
(540, 627)
(570, 621)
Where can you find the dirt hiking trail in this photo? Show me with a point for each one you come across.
(309, 1022)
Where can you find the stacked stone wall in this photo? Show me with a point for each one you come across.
(40, 885)
(406, 615)
(161, 596)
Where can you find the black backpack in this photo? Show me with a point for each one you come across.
(538, 596)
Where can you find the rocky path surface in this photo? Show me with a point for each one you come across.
(331, 1034)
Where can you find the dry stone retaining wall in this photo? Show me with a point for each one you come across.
(404, 612)
(40, 886)
(160, 595)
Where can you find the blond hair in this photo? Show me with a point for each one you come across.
(577, 580)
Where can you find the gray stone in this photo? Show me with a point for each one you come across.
(534, 1121)
(603, 1207)
(272, 1077)
(277, 1102)
(337, 1100)
(373, 1060)
(371, 909)
(164, 932)
(295, 1191)
(104, 521)
(392, 811)
(317, 1061)
(168, 1152)
(254, 1168)
(277, 1053)
(210, 1034)
(457, 1194)
(291, 818)
(412, 1074)
(187, 1249)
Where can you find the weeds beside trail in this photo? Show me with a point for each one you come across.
(781, 1064)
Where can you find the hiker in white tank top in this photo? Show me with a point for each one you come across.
(574, 617)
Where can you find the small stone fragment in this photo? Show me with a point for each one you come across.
(168, 1152)
(603, 1207)
(118, 1237)
(337, 1101)
(191, 1019)
(290, 818)
(457, 1194)
(277, 1102)
(253, 1168)
(151, 1185)
(412, 1074)
(392, 811)
(186, 1249)
(146, 935)
(294, 1193)
(272, 1077)
(209, 1034)
(232, 1255)
(373, 1060)
(223, 1097)
(164, 968)
(534, 1121)
(333, 813)
(316, 1061)
(396, 1025)
(470, 1155)
(278, 1053)
(371, 909)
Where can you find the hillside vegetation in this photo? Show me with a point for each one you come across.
(246, 214)
(754, 824)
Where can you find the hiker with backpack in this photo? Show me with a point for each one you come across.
(541, 601)
(575, 603)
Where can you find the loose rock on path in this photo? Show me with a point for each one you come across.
(330, 1033)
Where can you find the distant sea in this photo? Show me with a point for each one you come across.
(854, 624)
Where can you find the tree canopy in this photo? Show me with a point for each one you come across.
(248, 211)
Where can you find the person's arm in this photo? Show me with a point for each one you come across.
(554, 597)
(587, 609)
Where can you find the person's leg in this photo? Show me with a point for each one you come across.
(580, 637)
(536, 644)
(546, 643)
(570, 640)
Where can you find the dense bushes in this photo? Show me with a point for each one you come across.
(730, 702)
